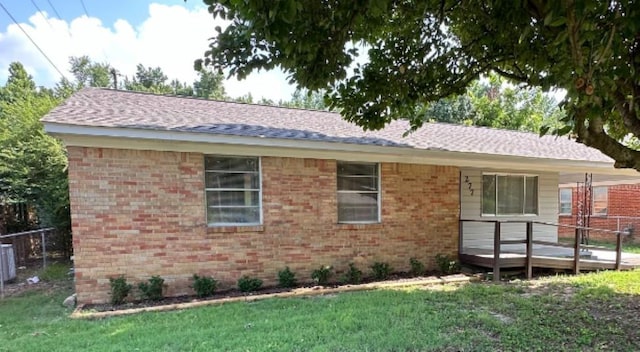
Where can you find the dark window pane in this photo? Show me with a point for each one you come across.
(357, 207)
(351, 169)
(531, 194)
(346, 183)
(231, 163)
(233, 198)
(232, 180)
(234, 215)
(488, 194)
(510, 194)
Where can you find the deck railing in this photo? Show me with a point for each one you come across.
(529, 241)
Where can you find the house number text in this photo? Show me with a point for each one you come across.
(469, 185)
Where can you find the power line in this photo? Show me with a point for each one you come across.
(85, 8)
(31, 39)
(41, 13)
(54, 9)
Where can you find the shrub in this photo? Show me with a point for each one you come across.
(119, 289)
(204, 286)
(287, 278)
(417, 268)
(249, 284)
(447, 264)
(151, 290)
(381, 271)
(353, 275)
(322, 275)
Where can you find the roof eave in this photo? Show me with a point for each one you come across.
(167, 140)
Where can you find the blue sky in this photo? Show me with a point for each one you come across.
(166, 33)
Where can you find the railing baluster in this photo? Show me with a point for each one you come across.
(496, 251)
(576, 252)
(529, 268)
(618, 250)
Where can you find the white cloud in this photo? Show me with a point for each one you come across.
(172, 37)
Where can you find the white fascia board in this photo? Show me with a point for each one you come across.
(206, 143)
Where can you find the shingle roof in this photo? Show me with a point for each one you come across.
(97, 107)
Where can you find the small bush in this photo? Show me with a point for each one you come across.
(417, 268)
(204, 286)
(151, 290)
(249, 284)
(322, 275)
(353, 275)
(381, 271)
(447, 264)
(119, 289)
(287, 278)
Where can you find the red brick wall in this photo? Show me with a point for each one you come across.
(623, 200)
(142, 213)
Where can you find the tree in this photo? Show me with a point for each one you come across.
(90, 74)
(422, 51)
(149, 79)
(305, 99)
(32, 163)
(209, 85)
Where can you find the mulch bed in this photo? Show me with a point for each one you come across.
(92, 311)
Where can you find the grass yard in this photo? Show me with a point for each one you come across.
(588, 312)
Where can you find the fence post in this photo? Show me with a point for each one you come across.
(529, 250)
(496, 251)
(576, 252)
(618, 249)
(2, 270)
(44, 249)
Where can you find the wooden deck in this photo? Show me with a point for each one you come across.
(529, 253)
(484, 258)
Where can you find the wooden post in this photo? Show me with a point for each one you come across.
(44, 249)
(2, 270)
(618, 249)
(460, 236)
(496, 251)
(576, 253)
(529, 269)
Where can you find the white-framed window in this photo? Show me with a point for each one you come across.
(565, 201)
(600, 200)
(358, 192)
(233, 190)
(508, 194)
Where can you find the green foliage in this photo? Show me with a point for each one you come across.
(152, 290)
(33, 165)
(204, 286)
(90, 74)
(287, 278)
(446, 264)
(417, 267)
(353, 275)
(249, 284)
(120, 289)
(381, 270)
(421, 52)
(322, 275)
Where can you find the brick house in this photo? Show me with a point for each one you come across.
(173, 186)
(614, 204)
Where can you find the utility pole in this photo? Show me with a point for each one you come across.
(114, 73)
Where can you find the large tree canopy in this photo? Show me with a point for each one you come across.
(422, 51)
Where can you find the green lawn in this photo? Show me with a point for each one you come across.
(588, 312)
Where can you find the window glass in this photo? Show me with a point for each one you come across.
(600, 201)
(509, 195)
(232, 190)
(358, 192)
(565, 196)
